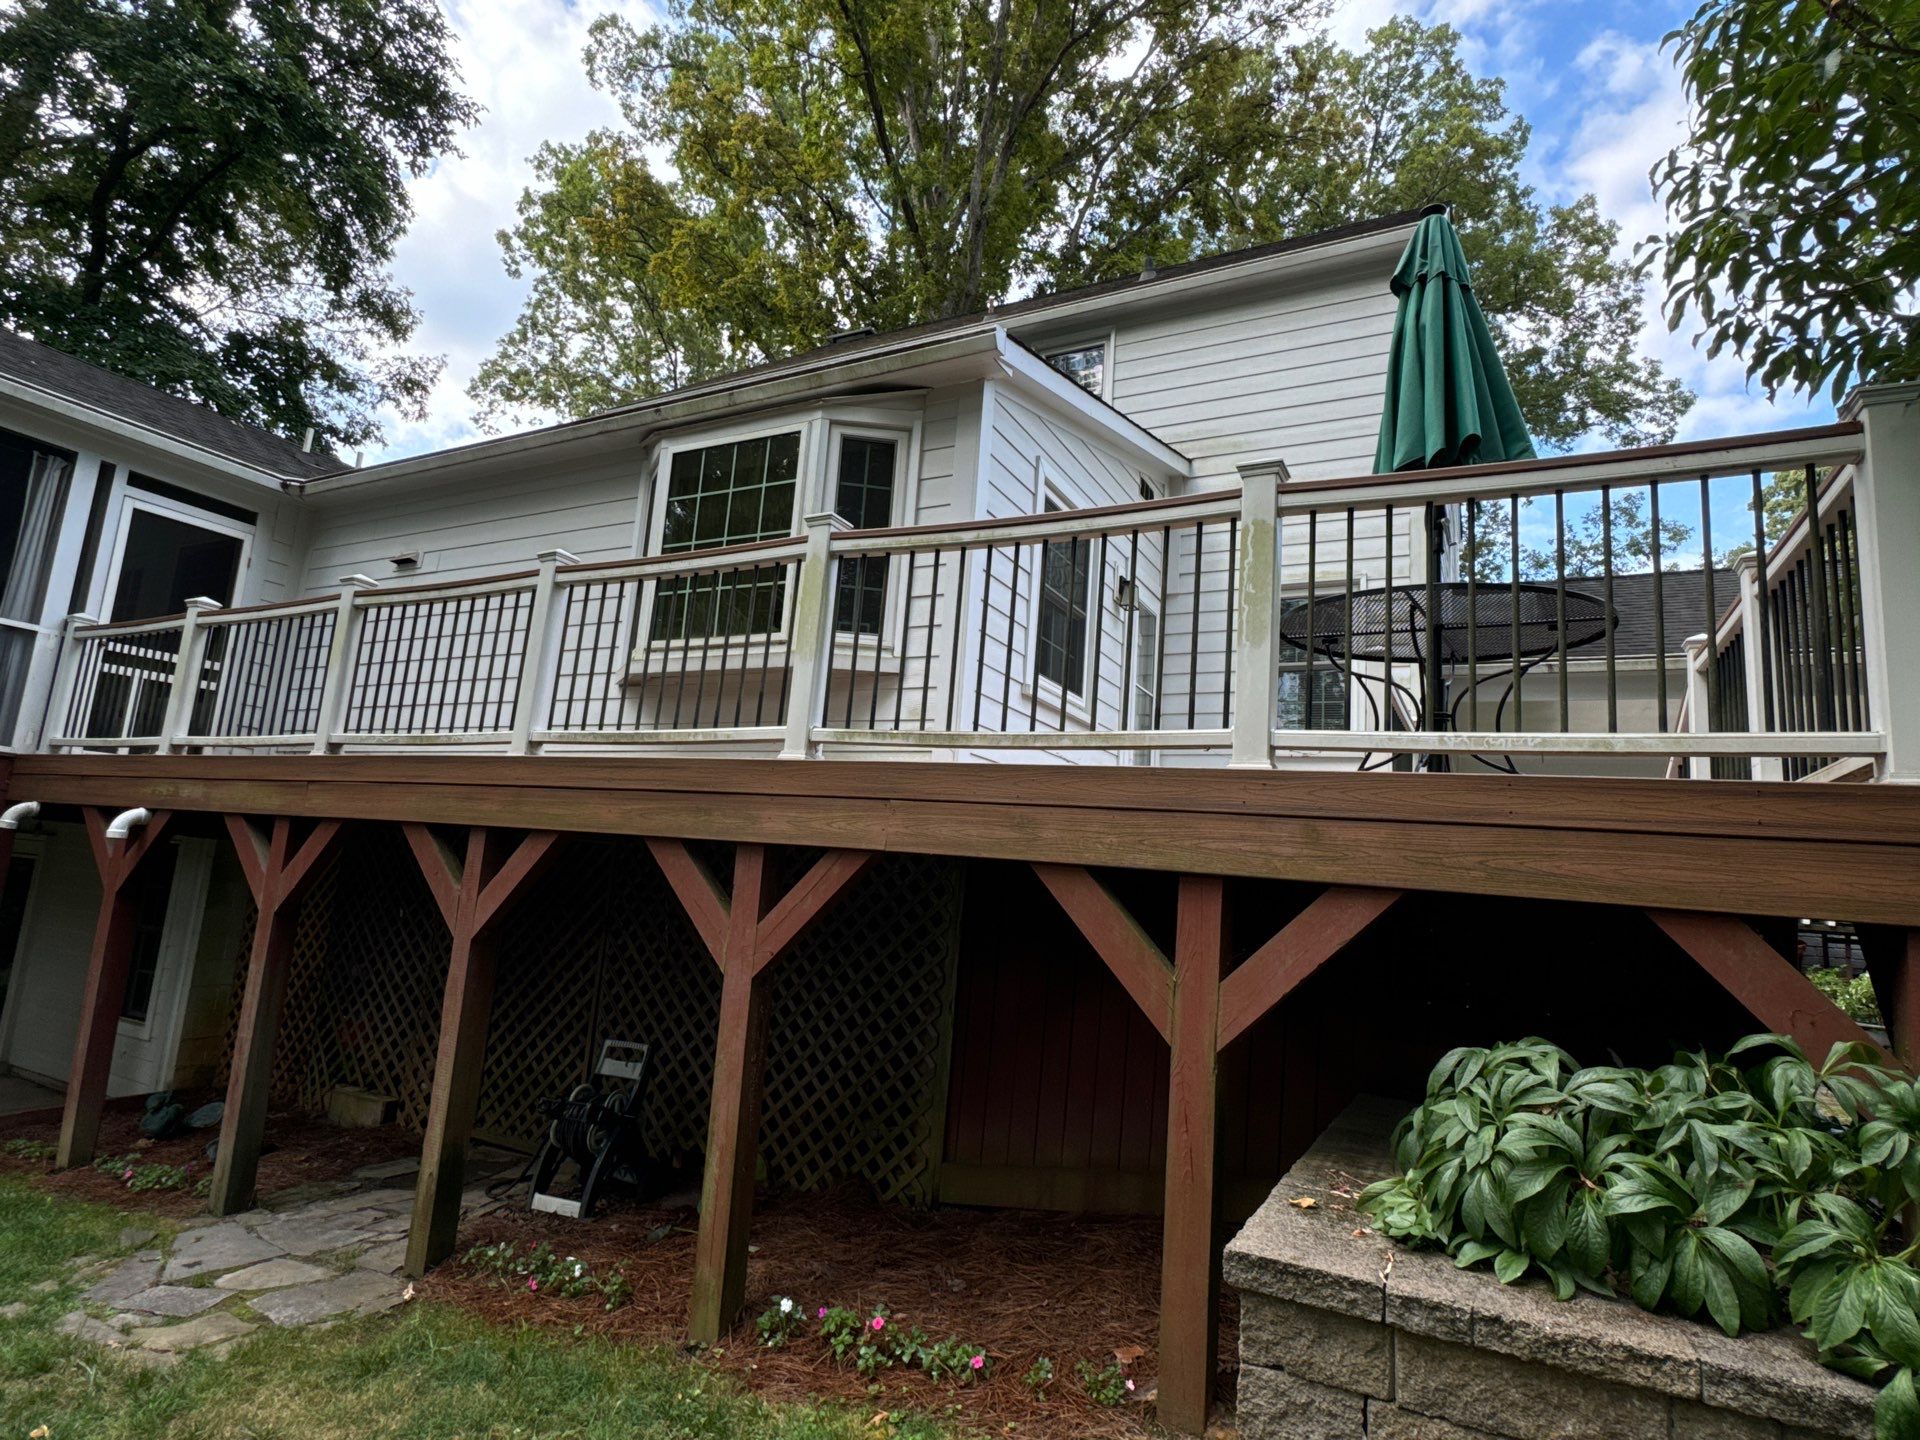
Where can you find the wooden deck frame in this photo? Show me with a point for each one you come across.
(473, 892)
(1893, 960)
(1762, 979)
(117, 862)
(1199, 1009)
(278, 873)
(745, 936)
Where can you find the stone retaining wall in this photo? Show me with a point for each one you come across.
(1344, 1335)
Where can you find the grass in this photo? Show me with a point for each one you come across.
(426, 1372)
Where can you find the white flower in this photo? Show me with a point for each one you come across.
(786, 1306)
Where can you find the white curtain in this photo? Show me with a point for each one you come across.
(45, 497)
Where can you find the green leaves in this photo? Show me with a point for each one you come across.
(1678, 1183)
(1793, 222)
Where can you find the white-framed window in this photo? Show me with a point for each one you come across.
(1144, 683)
(867, 483)
(727, 492)
(1062, 610)
(1319, 703)
(1086, 362)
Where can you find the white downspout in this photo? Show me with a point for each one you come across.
(124, 824)
(14, 816)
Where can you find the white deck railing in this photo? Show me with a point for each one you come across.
(1333, 623)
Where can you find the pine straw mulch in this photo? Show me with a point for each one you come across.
(301, 1150)
(1020, 1284)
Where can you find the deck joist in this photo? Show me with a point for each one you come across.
(1843, 851)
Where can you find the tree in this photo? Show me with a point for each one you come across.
(204, 195)
(1793, 216)
(851, 162)
(1624, 532)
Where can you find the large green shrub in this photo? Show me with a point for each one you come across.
(1744, 1186)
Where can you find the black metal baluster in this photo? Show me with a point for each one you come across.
(1515, 667)
(1280, 609)
(986, 619)
(1229, 659)
(1659, 604)
(1430, 706)
(1346, 639)
(1606, 576)
(1713, 615)
(1160, 604)
(1193, 629)
(1127, 716)
(1097, 601)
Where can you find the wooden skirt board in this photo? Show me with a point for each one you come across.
(600, 948)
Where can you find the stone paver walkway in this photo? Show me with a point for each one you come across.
(310, 1255)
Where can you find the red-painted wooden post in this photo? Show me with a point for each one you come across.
(746, 937)
(733, 1120)
(277, 874)
(1189, 1258)
(472, 894)
(106, 989)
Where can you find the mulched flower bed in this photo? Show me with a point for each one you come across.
(1017, 1284)
(302, 1150)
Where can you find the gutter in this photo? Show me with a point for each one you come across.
(98, 419)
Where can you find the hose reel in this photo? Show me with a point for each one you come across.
(597, 1128)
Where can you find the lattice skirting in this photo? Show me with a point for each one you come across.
(861, 1010)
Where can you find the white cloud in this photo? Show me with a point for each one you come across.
(521, 60)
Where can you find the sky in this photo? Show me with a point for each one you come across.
(1588, 75)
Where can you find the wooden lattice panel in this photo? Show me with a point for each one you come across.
(601, 948)
(857, 1048)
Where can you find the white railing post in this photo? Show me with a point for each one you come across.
(533, 664)
(1698, 649)
(810, 650)
(1752, 596)
(1886, 500)
(66, 677)
(1256, 659)
(346, 638)
(178, 718)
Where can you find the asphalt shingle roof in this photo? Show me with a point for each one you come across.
(1683, 607)
(60, 374)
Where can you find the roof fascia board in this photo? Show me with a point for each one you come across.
(637, 424)
(133, 432)
(1334, 254)
(1039, 381)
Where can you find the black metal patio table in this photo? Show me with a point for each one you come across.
(1443, 626)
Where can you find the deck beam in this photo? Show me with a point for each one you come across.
(277, 873)
(473, 891)
(117, 862)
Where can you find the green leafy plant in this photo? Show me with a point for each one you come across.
(1852, 993)
(1712, 1186)
(1039, 1375)
(841, 1329)
(778, 1322)
(21, 1148)
(540, 1271)
(956, 1359)
(155, 1176)
(1106, 1384)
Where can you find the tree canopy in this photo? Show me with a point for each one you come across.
(204, 195)
(1793, 216)
(834, 163)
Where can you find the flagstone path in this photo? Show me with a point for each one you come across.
(310, 1255)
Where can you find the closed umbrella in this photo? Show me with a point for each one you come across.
(1448, 401)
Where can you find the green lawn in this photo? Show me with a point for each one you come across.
(426, 1372)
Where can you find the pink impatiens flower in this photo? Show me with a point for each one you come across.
(532, 1284)
(979, 1362)
(821, 1313)
(879, 1322)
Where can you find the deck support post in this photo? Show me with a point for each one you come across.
(746, 936)
(1189, 1258)
(473, 893)
(1893, 962)
(117, 861)
(733, 1119)
(277, 874)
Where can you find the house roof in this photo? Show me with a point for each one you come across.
(1683, 608)
(851, 349)
(61, 375)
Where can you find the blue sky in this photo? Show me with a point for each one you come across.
(1603, 101)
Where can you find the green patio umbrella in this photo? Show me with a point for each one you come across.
(1448, 401)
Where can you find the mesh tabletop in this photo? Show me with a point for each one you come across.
(1392, 624)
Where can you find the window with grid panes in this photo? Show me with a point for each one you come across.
(863, 497)
(1317, 705)
(1060, 649)
(726, 495)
